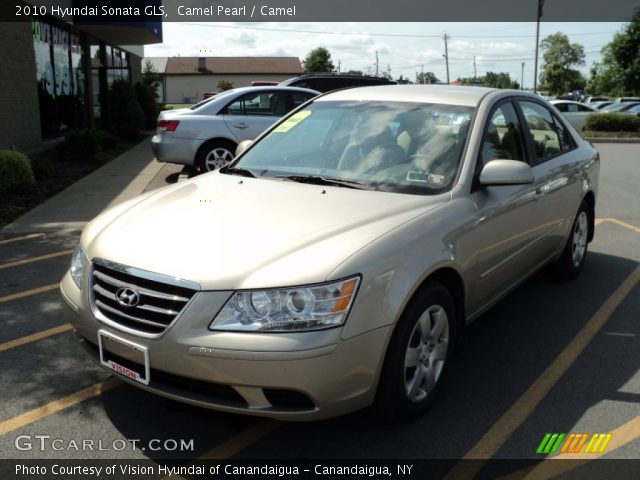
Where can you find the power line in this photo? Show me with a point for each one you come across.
(406, 35)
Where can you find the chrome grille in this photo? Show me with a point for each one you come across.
(160, 299)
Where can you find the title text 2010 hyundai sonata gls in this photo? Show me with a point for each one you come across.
(333, 264)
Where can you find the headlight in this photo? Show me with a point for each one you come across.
(77, 265)
(288, 309)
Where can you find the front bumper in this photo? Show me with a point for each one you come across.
(296, 376)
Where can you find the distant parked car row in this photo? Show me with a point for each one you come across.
(206, 135)
(576, 113)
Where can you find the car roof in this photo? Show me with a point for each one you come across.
(447, 94)
(274, 87)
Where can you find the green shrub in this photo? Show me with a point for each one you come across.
(42, 167)
(79, 144)
(15, 172)
(612, 122)
(128, 132)
(108, 141)
(147, 99)
(124, 114)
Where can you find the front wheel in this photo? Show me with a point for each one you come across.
(214, 154)
(570, 263)
(418, 355)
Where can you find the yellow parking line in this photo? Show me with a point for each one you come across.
(34, 337)
(237, 443)
(35, 259)
(242, 440)
(598, 221)
(500, 432)
(623, 224)
(549, 468)
(57, 405)
(17, 239)
(28, 293)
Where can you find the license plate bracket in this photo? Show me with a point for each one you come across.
(136, 369)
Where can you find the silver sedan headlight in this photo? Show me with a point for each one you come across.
(77, 265)
(288, 309)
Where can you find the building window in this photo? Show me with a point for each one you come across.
(61, 80)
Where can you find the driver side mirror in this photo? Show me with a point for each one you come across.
(506, 172)
(242, 146)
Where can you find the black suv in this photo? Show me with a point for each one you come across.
(325, 82)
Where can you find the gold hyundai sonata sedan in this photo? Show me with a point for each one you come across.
(333, 263)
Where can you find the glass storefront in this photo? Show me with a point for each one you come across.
(62, 82)
(61, 79)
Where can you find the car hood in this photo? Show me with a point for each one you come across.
(230, 232)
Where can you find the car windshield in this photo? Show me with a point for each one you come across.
(397, 147)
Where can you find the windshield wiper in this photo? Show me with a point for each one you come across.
(244, 172)
(320, 180)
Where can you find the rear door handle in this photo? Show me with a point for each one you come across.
(241, 126)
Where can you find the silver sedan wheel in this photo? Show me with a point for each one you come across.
(426, 353)
(579, 242)
(217, 158)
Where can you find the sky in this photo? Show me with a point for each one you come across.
(403, 48)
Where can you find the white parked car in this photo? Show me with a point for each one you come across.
(206, 134)
(576, 113)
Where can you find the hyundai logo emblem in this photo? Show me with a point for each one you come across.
(127, 297)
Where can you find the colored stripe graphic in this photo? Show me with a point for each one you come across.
(550, 443)
(573, 443)
(598, 443)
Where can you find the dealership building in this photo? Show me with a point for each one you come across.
(56, 71)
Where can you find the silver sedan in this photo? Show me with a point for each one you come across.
(366, 230)
(205, 135)
(576, 113)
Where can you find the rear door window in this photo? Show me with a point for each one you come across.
(547, 133)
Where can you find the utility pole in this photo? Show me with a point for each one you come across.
(535, 67)
(522, 78)
(475, 73)
(339, 63)
(422, 80)
(377, 64)
(389, 70)
(369, 71)
(446, 55)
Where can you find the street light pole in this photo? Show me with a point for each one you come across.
(522, 78)
(535, 68)
(446, 55)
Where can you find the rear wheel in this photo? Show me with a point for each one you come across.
(570, 263)
(418, 355)
(214, 154)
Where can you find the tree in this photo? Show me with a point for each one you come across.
(619, 71)
(150, 74)
(426, 77)
(224, 85)
(492, 80)
(559, 55)
(318, 60)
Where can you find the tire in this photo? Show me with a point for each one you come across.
(416, 363)
(570, 263)
(214, 154)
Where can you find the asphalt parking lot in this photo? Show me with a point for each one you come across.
(551, 357)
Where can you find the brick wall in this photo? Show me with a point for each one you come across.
(19, 107)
